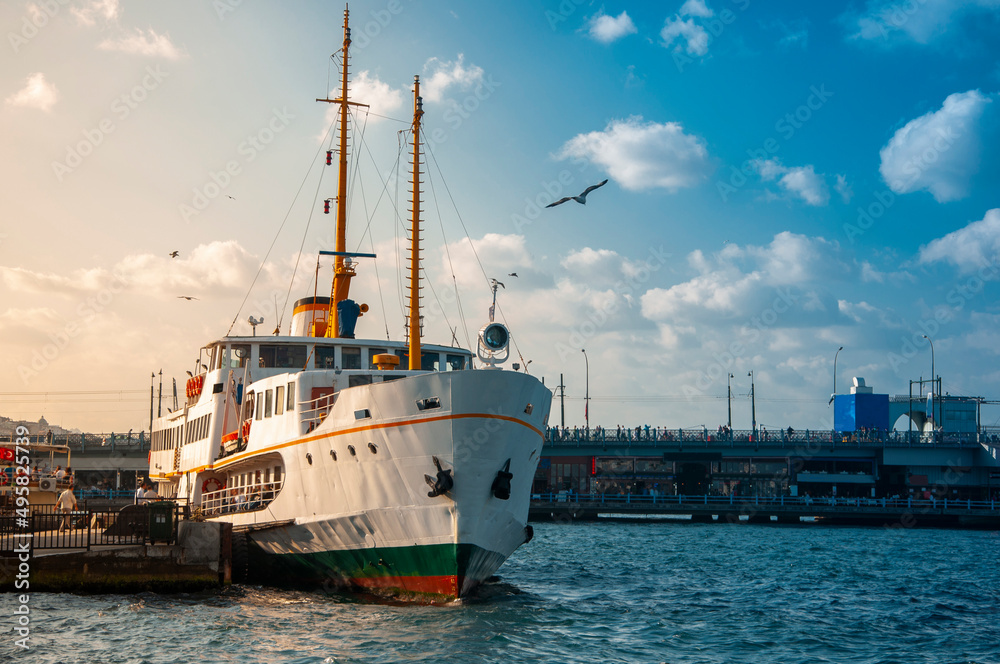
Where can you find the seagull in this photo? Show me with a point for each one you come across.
(582, 198)
(512, 274)
(175, 254)
(186, 297)
(230, 197)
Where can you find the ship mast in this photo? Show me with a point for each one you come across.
(342, 271)
(414, 323)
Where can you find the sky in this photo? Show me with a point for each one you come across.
(784, 179)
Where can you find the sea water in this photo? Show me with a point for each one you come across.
(587, 592)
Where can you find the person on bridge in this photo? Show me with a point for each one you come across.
(66, 504)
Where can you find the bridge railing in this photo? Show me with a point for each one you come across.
(83, 442)
(591, 499)
(702, 437)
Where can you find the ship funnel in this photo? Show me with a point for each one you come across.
(310, 317)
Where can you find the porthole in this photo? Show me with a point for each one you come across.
(309, 458)
(371, 446)
(350, 448)
(333, 454)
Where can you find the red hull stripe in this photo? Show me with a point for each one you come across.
(436, 585)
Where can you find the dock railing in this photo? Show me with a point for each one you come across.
(47, 527)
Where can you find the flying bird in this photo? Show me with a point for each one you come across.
(582, 198)
(175, 254)
(186, 297)
(512, 274)
(230, 197)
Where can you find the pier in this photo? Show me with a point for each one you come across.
(132, 549)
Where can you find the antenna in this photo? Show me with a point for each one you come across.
(254, 322)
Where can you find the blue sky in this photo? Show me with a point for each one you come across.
(784, 179)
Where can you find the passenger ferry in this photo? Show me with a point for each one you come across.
(386, 466)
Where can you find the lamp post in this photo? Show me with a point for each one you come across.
(835, 375)
(729, 400)
(933, 377)
(586, 406)
(753, 407)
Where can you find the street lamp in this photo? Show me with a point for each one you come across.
(933, 376)
(834, 376)
(753, 407)
(729, 400)
(586, 406)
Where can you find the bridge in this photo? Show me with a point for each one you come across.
(886, 512)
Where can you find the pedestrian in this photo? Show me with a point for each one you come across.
(150, 493)
(140, 493)
(66, 504)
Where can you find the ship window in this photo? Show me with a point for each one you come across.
(260, 409)
(277, 474)
(371, 446)
(372, 352)
(279, 400)
(217, 388)
(268, 402)
(362, 414)
(432, 402)
(324, 357)
(291, 398)
(238, 356)
(454, 362)
(333, 454)
(284, 356)
(350, 448)
(351, 357)
(354, 381)
(528, 409)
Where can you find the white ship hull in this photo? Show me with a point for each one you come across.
(364, 518)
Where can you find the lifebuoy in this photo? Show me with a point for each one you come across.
(3, 477)
(212, 481)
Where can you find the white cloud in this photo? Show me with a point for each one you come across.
(607, 29)
(800, 181)
(937, 152)
(643, 155)
(36, 93)
(366, 88)
(970, 248)
(214, 268)
(88, 12)
(695, 37)
(844, 188)
(143, 42)
(440, 75)
(689, 34)
(742, 280)
(696, 8)
(920, 22)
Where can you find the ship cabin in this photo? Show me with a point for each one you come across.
(253, 393)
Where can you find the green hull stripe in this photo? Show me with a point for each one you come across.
(466, 561)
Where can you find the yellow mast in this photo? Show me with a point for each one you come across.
(415, 233)
(342, 273)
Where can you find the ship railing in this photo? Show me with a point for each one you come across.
(657, 499)
(314, 411)
(239, 499)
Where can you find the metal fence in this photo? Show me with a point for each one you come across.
(704, 437)
(776, 501)
(47, 527)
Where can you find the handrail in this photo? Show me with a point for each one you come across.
(590, 499)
